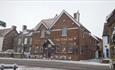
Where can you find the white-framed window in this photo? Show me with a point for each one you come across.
(30, 42)
(42, 33)
(25, 40)
(19, 41)
(63, 49)
(64, 31)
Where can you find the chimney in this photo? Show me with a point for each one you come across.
(14, 27)
(24, 27)
(77, 16)
(56, 15)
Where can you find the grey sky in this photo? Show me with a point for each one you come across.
(92, 13)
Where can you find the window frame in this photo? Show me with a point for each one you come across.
(25, 40)
(64, 31)
(19, 41)
(42, 34)
(70, 50)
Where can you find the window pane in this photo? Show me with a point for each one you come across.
(70, 49)
(19, 41)
(64, 31)
(25, 40)
(30, 42)
(42, 33)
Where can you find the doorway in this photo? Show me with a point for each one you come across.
(48, 49)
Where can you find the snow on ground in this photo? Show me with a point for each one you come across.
(35, 68)
(90, 62)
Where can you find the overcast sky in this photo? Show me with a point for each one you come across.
(30, 12)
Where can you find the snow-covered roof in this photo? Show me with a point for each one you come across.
(3, 32)
(48, 23)
(67, 15)
(51, 41)
(94, 36)
(26, 33)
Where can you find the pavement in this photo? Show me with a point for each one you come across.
(92, 64)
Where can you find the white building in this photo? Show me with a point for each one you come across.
(106, 47)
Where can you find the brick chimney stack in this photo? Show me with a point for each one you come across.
(14, 27)
(77, 16)
(24, 27)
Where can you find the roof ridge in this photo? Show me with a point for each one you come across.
(67, 15)
(5, 28)
(4, 32)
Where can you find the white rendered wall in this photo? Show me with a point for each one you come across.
(105, 43)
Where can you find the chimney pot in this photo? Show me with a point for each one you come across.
(13, 27)
(77, 16)
(24, 27)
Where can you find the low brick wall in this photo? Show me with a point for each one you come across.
(5, 55)
(10, 55)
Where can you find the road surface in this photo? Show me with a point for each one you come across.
(66, 65)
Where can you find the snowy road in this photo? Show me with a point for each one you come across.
(39, 64)
(36, 68)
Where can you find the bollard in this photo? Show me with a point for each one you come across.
(113, 66)
(15, 67)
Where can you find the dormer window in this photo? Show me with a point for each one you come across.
(64, 31)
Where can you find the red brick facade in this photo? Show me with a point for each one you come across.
(8, 37)
(78, 44)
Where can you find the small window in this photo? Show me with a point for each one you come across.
(63, 49)
(41, 50)
(70, 49)
(81, 50)
(64, 31)
(30, 41)
(58, 49)
(18, 49)
(83, 35)
(43, 34)
(19, 41)
(25, 40)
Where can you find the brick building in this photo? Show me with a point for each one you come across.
(7, 36)
(63, 37)
(23, 41)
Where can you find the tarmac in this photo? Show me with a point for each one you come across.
(93, 64)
